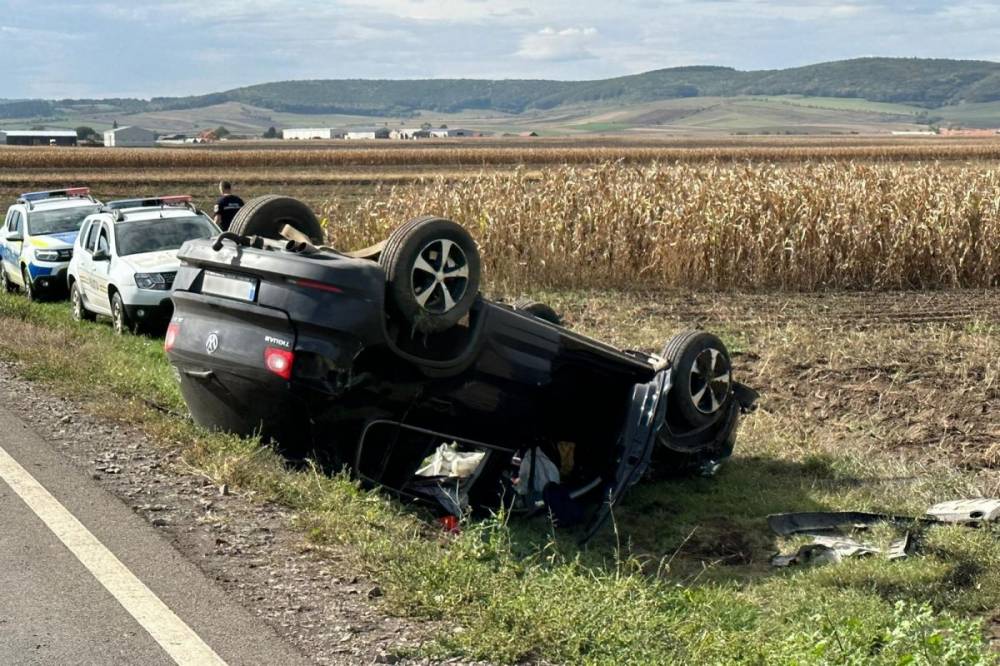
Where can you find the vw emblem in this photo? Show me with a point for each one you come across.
(212, 343)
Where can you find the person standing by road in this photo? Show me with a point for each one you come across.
(227, 206)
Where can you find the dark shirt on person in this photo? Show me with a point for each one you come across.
(226, 208)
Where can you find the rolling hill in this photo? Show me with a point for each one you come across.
(863, 91)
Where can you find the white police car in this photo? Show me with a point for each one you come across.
(36, 242)
(125, 259)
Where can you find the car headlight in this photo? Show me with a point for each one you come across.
(54, 255)
(151, 281)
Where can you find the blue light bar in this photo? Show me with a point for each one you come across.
(29, 197)
(148, 202)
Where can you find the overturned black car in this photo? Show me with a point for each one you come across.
(388, 360)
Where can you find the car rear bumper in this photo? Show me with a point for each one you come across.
(240, 401)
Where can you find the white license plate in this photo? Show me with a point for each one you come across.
(229, 286)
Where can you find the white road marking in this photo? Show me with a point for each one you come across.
(179, 641)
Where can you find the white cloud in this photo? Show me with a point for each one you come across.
(551, 44)
(164, 47)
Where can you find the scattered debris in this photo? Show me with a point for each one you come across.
(825, 550)
(829, 545)
(899, 548)
(807, 522)
(966, 511)
(448, 460)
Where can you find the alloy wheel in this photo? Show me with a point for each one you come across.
(711, 378)
(440, 276)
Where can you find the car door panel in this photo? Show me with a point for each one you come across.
(98, 274)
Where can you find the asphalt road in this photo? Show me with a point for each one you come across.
(84, 580)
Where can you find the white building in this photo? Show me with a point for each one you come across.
(409, 133)
(445, 133)
(379, 133)
(41, 137)
(308, 133)
(172, 138)
(3, 137)
(129, 136)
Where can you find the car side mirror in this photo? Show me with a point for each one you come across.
(101, 255)
(15, 237)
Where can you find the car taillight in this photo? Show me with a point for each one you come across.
(279, 361)
(173, 330)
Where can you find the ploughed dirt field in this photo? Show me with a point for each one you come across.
(870, 402)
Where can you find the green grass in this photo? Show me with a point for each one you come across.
(683, 576)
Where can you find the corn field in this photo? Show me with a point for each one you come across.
(493, 154)
(715, 226)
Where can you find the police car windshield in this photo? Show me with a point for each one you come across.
(160, 234)
(60, 221)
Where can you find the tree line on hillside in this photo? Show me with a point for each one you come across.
(922, 82)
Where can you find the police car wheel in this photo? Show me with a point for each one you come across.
(29, 289)
(80, 311)
(5, 282)
(119, 320)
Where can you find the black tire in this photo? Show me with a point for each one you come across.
(702, 379)
(431, 301)
(119, 318)
(29, 289)
(540, 310)
(80, 311)
(266, 216)
(5, 282)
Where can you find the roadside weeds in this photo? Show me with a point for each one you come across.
(514, 592)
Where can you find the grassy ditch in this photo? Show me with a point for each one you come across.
(683, 576)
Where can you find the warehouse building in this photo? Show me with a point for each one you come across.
(410, 133)
(444, 133)
(379, 133)
(129, 136)
(41, 138)
(312, 133)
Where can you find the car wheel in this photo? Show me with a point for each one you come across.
(432, 272)
(702, 379)
(29, 289)
(5, 282)
(540, 310)
(119, 320)
(80, 311)
(267, 215)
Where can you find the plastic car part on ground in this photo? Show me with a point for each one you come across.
(824, 550)
(829, 545)
(966, 511)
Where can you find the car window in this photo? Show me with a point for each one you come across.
(103, 242)
(15, 222)
(91, 242)
(7, 221)
(84, 232)
(63, 220)
(161, 234)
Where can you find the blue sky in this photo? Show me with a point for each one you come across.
(179, 47)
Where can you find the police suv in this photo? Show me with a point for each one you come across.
(125, 259)
(36, 241)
